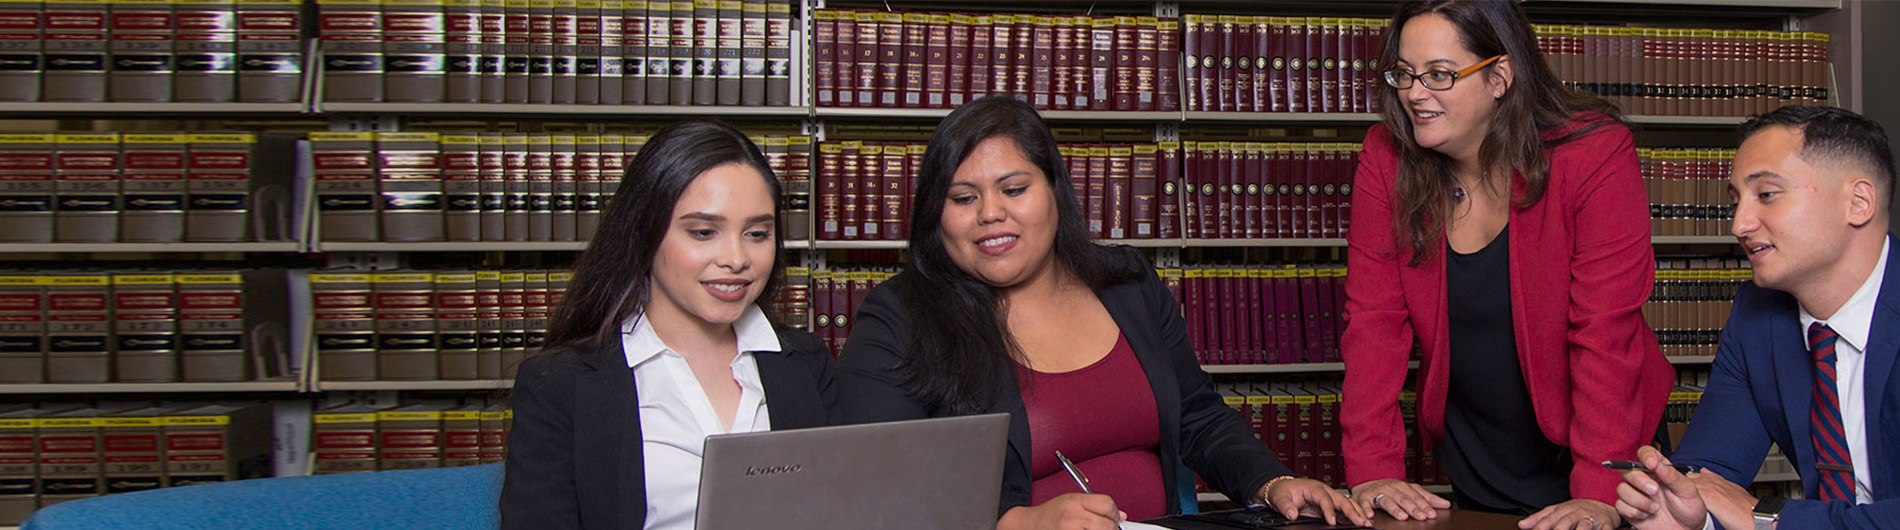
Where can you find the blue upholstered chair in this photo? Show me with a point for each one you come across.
(459, 498)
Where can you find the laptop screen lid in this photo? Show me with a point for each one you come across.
(923, 474)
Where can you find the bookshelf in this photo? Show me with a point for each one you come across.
(805, 115)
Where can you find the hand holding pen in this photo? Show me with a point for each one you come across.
(1072, 510)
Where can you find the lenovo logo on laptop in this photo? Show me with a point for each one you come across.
(772, 470)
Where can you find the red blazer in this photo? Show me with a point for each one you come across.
(1581, 268)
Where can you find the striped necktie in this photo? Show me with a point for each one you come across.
(1830, 438)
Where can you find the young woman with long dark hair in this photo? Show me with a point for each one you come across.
(1006, 306)
(660, 341)
(1499, 221)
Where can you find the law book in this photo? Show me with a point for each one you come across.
(1227, 208)
(702, 79)
(1119, 210)
(1220, 37)
(564, 34)
(1193, 70)
(19, 462)
(88, 204)
(780, 35)
(343, 439)
(1193, 303)
(462, 51)
(841, 308)
(406, 325)
(913, 48)
(516, 196)
(143, 58)
(153, 187)
(414, 51)
(493, 185)
(977, 66)
(22, 37)
(344, 325)
(1081, 61)
(70, 456)
(1245, 73)
(1188, 189)
(536, 298)
(1124, 74)
(850, 176)
(1022, 51)
(351, 32)
(535, 45)
(495, 418)
(1042, 61)
(825, 48)
(1331, 282)
(1102, 62)
(457, 324)
(488, 325)
(1168, 184)
(846, 74)
(673, 42)
(22, 328)
(1326, 54)
(144, 327)
(888, 86)
(345, 173)
(871, 190)
(1142, 190)
(217, 443)
(1230, 306)
(563, 187)
(1168, 64)
(409, 185)
(821, 310)
(1328, 455)
(514, 320)
(640, 23)
(461, 186)
(830, 184)
(750, 68)
(727, 47)
(613, 67)
(894, 202)
(78, 327)
(1098, 189)
(74, 39)
(205, 42)
(935, 81)
(589, 191)
(462, 435)
(217, 324)
(409, 437)
(494, 69)
(133, 449)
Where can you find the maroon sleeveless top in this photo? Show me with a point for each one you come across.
(1103, 418)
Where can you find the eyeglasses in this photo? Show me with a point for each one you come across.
(1433, 79)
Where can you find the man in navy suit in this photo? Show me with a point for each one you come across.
(1808, 354)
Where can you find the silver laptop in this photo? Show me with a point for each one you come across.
(939, 473)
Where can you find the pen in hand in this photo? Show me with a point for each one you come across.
(1074, 473)
(1627, 465)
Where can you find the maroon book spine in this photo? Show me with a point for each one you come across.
(1309, 313)
(1080, 88)
(1224, 33)
(1194, 312)
(1223, 190)
(1143, 191)
(1189, 190)
(916, 39)
(957, 86)
(841, 308)
(848, 178)
(1002, 37)
(846, 76)
(1314, 82)
(1262, 64)
(1282, 420)
(889, 81)
(893, 199)
(821, 308)
(1315, 175)
(1295, 46)
(1326, 194)
(1250, 180)
(1329, 94)
(1207, 184)
(1062, 64)
(1286, 304)
(825, 57)
(1191, 75)
(937, 62)
(1098, 191)
(1327, 451)
(1041, 59)
(871, 190)
(1275, 50)
(1147, 78)
(1168, 64)
(1244, 79)
(1022, 53)
(1168, 185)
(982, 57)
(1077, 162)
(868, 56)
(1330, 278)
(1260, 320)
(1349, 165)
(1102, 62)
(1120, 193)
(830, 190)
(1305, 450)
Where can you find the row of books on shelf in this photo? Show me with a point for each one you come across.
(152, 51)
(420, 186)
(1688, 189)
(351, 437)
(1240, 63)
(408, 325)
(142, 326)
(1691, 300)
(1690, 71)
(633, 52)
(102, 187)
(873, 58)
(53, 453)
(1261, 314)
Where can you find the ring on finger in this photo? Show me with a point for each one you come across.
(1376, 499)
(1593, 523)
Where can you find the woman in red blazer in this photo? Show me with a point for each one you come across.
(1500, 223)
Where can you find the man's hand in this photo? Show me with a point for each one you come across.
(1731, 505)
(1657, 497)
(1404, 500)
(1573, 514)
(1071, 511)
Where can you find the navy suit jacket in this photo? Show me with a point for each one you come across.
(1760, 391)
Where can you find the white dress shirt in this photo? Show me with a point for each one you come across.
(1854, 322)
(676, 416)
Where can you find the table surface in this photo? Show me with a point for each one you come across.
(1451, 520)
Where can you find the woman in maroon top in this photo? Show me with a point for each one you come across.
(1006, 306)
(1499, 222)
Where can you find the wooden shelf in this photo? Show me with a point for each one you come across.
(101, 248)
(1693, 240)
(120, 107)
(475, 384)
(123, 388)
(478, 109)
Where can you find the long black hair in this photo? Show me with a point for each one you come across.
(1536, 103)
(611, 277)
(960, 343)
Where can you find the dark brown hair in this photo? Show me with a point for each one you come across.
(1537, 103)
(611, 276)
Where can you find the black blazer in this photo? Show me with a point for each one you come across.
(574, 453)
(1196, 426)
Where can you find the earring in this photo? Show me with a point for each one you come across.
(1498, 96)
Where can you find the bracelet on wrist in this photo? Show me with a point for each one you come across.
(1265, 499)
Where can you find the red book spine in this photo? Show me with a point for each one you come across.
(1315, 174)
(1286, 303)
(830, 190)
(868, 56)
(1189, 189)
(982, 57)
(1193, 302)
(1327, 453)
(825, 56)
(893, 199)
(1305, 446)
(1207, 184)
(1244, 80)
(1330, 279)
(1062, 64)
(1249, 219)
(957, 87)
(1098, 191)
(1329, 65)
(821, 308)
(1002, 37)
(1355, 65)
(1102, 62)
(841, 313)
(916, 46)
(1223, 195)
(915, 161)
(1258, 324)
(1327, 194)
(1309, 313)
(871, 190)
(1168, 64)
(1275, 52)
(1168, 198)
(1224, 96)
(1147, 78)
(1022, 53)
(1314, 82)
(1042, 59)
(937, 62)
(1191, 49)
(848, 179)
(1120, 191)
(1349, 164)
(1142, 190)
(889, 82)
(846, 76)
(1282, 419)
(1295, 46)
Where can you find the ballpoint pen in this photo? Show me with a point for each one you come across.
(1625, 464)
(1074, 473)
